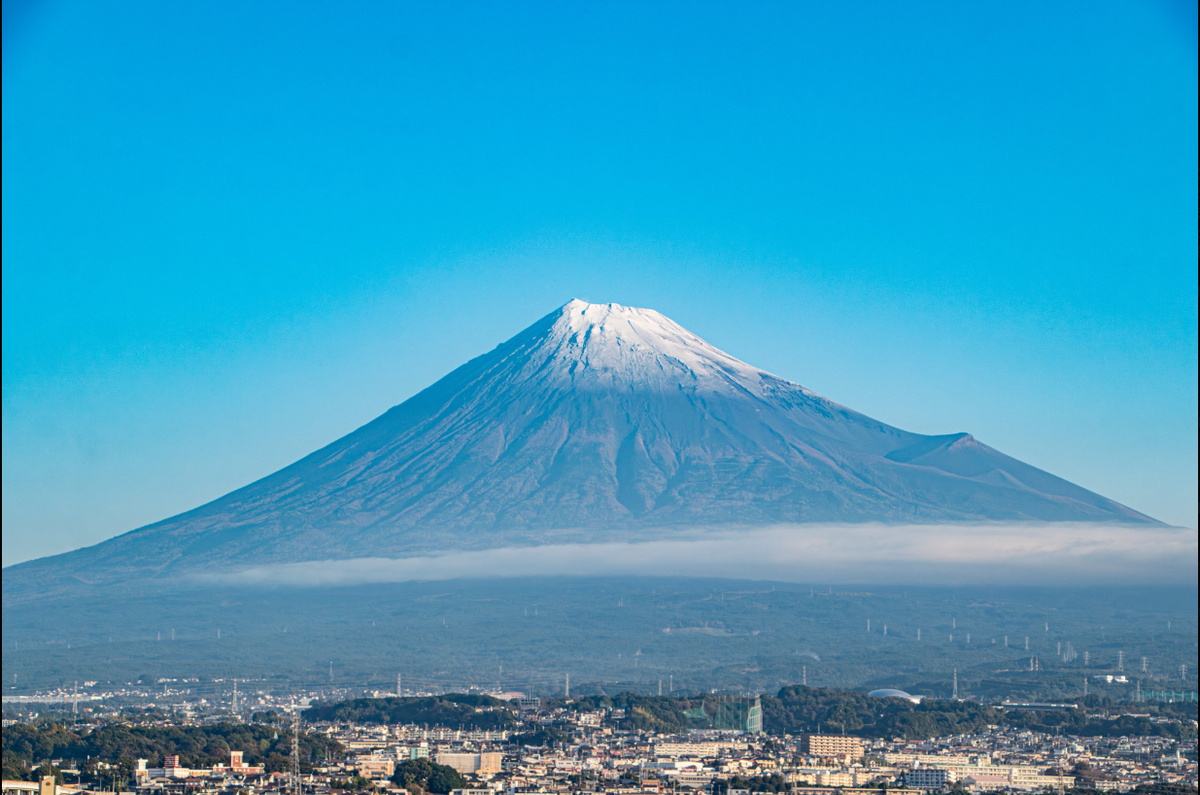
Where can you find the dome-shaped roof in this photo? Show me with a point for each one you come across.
(891, 693)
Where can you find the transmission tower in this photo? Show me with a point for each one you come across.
(295, 749)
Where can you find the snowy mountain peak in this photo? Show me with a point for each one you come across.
(597, 423)
(623, 346)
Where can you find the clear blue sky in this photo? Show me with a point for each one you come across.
(235, 231)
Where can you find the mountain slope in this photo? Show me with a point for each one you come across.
(597, 422)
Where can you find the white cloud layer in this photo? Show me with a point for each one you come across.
(1031, 554)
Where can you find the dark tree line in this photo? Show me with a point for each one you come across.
(454, 710)
(27, 746)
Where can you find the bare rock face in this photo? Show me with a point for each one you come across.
(598, 422)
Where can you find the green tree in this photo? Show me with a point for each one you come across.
(425, 776)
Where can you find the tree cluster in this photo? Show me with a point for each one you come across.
(27, 746)
(421, 775)
(452, 710)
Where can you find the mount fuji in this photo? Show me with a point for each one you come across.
(599, 422)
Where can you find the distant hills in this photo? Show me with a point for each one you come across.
(598, 422)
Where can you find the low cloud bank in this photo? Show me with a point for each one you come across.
(1026, 554)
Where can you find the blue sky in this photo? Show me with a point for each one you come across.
(235, 231)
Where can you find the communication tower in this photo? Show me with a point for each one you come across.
(296, 784)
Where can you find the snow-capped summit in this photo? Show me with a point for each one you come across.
(640, 343)
(598, 422)
(611, 346)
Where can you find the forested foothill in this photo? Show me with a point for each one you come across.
(793, 710)
(454, 710)
(29, 747)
